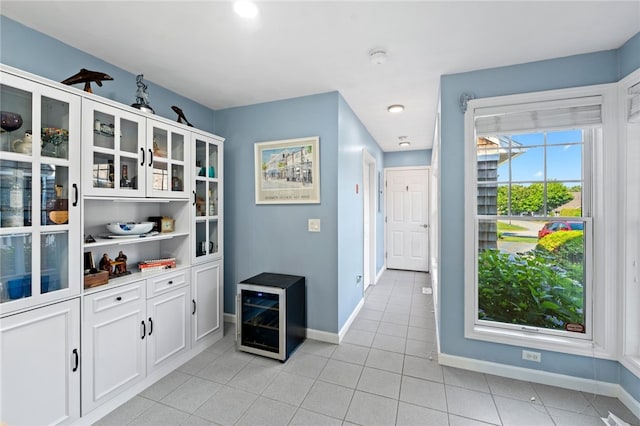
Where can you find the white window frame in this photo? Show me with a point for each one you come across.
(602, 342)
(630, 261)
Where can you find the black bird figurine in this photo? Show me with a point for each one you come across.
(181, 118)
(87, 77)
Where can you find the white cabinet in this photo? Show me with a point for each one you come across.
(167, 318)
(131, 330)
(207, 299)
(113, 349)
(39, 193)
(71, 162)
(39, 365)
(207, 205)
(168, 153)
(129, 155)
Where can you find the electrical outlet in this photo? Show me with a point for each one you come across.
(531, 356)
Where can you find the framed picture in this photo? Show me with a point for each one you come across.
(88, 262)
(288, 171)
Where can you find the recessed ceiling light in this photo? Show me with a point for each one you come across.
(246, 9)
(395, 108)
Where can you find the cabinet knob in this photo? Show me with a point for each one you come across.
(170, 282)
(119, 298)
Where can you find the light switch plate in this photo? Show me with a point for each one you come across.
(314, 225)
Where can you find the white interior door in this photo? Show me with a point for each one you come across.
(407, 219)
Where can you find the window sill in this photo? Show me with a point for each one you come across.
(538, 341)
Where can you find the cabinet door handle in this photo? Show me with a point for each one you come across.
(194, 306)
(119, 298)
(150, 326)
(194, 198)
(77, 360)
(144, 329)
(150, 157)
(75, 195)
(142, 161)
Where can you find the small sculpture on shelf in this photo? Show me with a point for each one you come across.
(87, 77)
(120, 264)
(142, 96)
(115, 267)
(105, 264)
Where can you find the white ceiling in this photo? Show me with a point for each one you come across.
(203, 51)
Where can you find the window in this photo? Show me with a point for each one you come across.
(535, 174)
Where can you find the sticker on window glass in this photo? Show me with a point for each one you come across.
(576, 328)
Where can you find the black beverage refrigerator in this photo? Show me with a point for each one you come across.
(271, 318)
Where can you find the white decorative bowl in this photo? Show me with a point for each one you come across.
(129, 228)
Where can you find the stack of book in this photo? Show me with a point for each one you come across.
(157, 264)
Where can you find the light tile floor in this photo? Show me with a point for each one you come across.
(385, 372)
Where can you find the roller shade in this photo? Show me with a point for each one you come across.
(562, 114)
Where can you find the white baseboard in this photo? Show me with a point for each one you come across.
(384, 268)
(230, 318)
(323, 336)
(350, 320)
(543, 377)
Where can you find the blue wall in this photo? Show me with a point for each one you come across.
(274, 238)
(353, 137)
(580, 70)
(629, 56)
(419, 157)
(37, 53)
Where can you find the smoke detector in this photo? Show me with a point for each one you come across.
(378, 56)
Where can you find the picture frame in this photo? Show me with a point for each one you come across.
(89, 264)
(288, 171)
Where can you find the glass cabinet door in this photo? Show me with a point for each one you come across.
(207, 198)
(168, 150)
(116, 158)
(39, 193)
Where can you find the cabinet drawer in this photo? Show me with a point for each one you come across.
(164, 283)
(110, 299)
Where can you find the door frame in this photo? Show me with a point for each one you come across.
(428, 212)
(369, 191)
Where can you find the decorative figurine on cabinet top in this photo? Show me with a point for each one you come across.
(142, 97)
(87, 77)
(181, 117)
